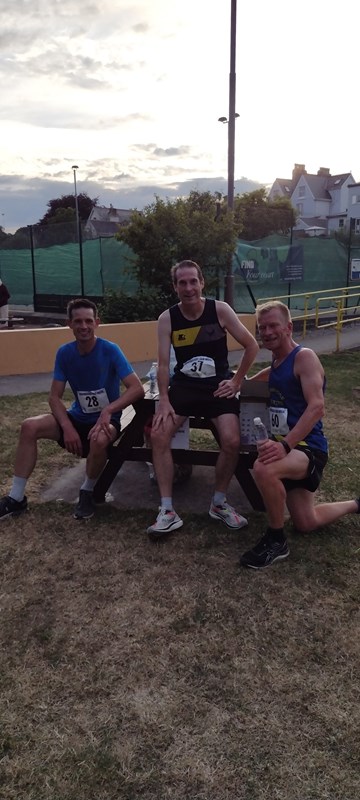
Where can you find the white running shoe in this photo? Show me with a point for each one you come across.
(166, 521)
(228, 515)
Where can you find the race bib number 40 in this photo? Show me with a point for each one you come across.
(93, 401)
(199, 367)
(278, 421)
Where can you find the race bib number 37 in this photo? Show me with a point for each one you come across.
(93, 401)
(199, 367)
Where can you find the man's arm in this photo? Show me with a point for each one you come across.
(309, 371)
(232, 325)
(164, 409)
(262, 375)
(72, 440)
(134, 390)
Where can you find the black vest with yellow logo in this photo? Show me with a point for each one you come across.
(201, 337)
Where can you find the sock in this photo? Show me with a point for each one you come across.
(88, 484)
(276, 533)
(166, 502)
(358, 502)
(219, 498)
(17, 490)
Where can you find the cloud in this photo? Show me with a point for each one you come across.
(172, 151)
(23, 202)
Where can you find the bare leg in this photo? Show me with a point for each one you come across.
(307, 516)
(33, 429)
(98, 457)
(227, 426)
(269, 482)
(161, 452)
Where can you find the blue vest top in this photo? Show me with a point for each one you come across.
(286, 392)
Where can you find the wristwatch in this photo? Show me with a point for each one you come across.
(285, 445)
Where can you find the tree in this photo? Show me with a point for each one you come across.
(188, 228)
(3, 234)
(66, 202)
(256, 216)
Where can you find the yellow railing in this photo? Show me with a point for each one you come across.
(337, 301)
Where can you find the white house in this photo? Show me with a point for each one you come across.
(354, 207)
(104, 221)
(322, 200)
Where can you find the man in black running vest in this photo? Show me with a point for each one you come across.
(202, 385)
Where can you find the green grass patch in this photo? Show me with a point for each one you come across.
(132, 670)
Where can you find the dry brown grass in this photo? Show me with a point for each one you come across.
(132, 670)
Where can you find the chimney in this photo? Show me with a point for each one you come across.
(299, 169)
(323, 172)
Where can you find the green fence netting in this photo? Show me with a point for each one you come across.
(266, 268)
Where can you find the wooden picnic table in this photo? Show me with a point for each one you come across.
(130, 445)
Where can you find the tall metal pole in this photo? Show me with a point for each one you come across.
(229, 278)
(78, 229)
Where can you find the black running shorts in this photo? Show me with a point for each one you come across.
(317, 462)
(196, 399)
(83, 429)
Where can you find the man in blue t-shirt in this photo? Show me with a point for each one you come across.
(93, 367)
(290, 462)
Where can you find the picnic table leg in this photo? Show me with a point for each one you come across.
(247, 483)
(244, 476)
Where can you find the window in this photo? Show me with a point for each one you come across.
(341, 223)
(301, 192)
(357, 226)
(300, 207)
(355, 198)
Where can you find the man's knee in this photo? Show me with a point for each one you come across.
(30, 428)
(230, 440)
(261, 472)
(303, 523)
(160, 439)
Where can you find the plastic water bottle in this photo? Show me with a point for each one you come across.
(153, 379)
(260, 432)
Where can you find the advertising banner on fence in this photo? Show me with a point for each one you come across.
(355, 270)
(285, 263)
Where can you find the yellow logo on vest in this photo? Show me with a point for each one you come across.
(185, 337)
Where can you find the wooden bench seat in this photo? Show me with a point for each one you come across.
(130, 445)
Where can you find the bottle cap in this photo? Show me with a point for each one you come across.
(257, 421)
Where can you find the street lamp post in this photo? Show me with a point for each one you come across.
(229, 280)
(78, 228)
(230, 121)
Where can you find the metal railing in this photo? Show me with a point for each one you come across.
(337, 301)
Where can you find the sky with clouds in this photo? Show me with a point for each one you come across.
(131, 92)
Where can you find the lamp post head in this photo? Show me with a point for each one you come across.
(225, 119)
(74, 166)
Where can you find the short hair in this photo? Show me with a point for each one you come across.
(80, 302)
(182, 264)
(269, 306)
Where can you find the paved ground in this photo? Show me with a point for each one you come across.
(132, 487)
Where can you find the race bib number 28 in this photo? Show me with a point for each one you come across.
(93, 401)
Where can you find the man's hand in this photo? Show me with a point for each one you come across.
(228, 388)
(270, 451)
(164, 411)
(102, 426)
(72, 441)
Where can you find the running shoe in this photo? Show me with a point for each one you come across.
(85, 508)
(265, 553)
(12, 508)
(166, 521)
(228, 515)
